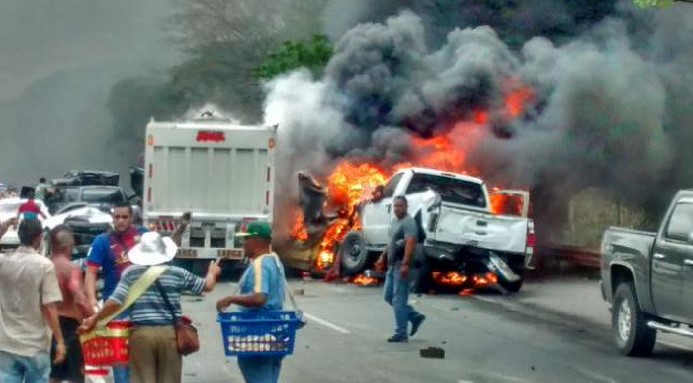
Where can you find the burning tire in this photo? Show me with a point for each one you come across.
(633, 336)
(353, 253)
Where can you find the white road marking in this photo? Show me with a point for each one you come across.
(327, 324)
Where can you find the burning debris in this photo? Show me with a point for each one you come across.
(364, 280)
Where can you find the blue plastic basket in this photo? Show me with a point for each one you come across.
(271, 333)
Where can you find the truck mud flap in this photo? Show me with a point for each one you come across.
(497, 264)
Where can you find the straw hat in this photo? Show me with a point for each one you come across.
(153, 249)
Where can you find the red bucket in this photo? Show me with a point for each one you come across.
(107, 346)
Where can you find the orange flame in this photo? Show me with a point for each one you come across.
(450, 279)
(299, 230)
(517, 97)
(363, 280)
(507, 204)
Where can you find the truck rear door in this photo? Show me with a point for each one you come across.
(672, 263)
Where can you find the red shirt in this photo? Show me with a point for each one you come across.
(29, 207)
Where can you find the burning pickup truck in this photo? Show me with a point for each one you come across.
(466, 242)
(473, 237)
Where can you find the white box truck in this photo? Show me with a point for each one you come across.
(220, 171)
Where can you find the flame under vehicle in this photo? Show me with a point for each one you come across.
(470, 233)
(220, 171)
(647, 278)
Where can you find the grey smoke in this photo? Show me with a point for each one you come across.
(58, 63)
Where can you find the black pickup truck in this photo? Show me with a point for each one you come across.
(648, 279)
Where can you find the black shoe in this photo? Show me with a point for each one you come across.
(416, 323)
(398, 339)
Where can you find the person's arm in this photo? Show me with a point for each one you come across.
(212, 274)
(50, 315)
(95, 260)
(246, 300)
(410, 234)
(109, 308)
(6, 226)
(90, 285)
(50, 295)
(75, 287)
(183, 223)
(409, 247)
(260, 273)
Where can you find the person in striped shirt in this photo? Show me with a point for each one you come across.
(154, 356)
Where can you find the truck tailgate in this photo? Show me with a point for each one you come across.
(481, 229)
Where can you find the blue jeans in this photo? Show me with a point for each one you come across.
(24, 369)
(260, 369)
(397, 295)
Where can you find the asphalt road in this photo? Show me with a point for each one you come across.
(484, 341)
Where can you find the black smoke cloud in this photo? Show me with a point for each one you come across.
(610, 108)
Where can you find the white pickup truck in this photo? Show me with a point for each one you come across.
(219, 170)
(463, 234)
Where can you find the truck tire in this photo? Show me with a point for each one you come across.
(633, 336)
(353, 253)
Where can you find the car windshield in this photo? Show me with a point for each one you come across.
(111, 196)
(450, 189)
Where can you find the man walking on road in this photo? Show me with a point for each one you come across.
(28, 295)
(398, 256)
(73, 309)
(262, 288)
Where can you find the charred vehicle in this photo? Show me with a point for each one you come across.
(86, 210)
(464, 236)
(87, 178)
(647, 278)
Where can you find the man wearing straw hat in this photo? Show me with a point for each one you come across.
(261, 289)
(153, 352)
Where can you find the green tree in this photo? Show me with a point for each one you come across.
(658, 3)
(313, 55)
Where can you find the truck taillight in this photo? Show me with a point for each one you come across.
(531, 240)
(149, 194)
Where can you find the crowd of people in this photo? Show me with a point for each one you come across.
(48, 301)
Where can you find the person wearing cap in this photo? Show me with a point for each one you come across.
(262, 288)
(154, 356)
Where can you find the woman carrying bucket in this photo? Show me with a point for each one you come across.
(153, 291)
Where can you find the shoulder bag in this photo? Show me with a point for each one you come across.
(187, 339)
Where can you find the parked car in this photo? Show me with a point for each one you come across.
(86, 222)
(104, 196)
(647, 278)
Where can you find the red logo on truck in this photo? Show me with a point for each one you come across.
(210, 136)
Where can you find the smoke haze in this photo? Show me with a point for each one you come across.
(59, 61)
